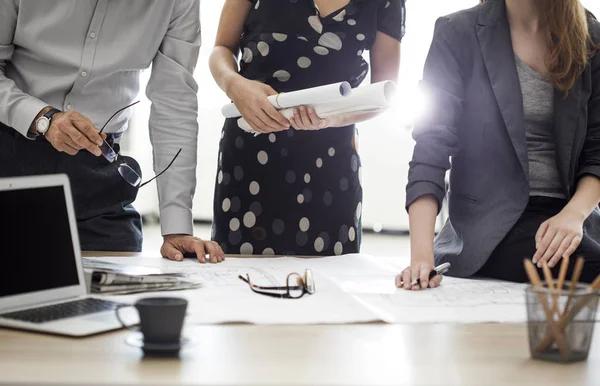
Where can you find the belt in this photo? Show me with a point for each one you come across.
(111, 138)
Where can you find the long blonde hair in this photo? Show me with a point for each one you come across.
(570, 45)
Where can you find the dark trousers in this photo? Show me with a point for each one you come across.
(506, 262)
(106, 220)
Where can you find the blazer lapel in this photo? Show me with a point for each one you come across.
(493, 33)
(566, 126)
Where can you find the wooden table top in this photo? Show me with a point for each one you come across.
(367, 354)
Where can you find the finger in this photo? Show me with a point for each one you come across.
(572, 247)
(170, 252)
(297, 121)
(86, 127)
(424, 276)
(415, 273)
(255, 124)
(399, 281)
(192, 245)
(277, 117)
(80, 139)
(267, 123)
(552, 248)
(560, 251)
(435, 281)
(304, 117)
(63, 143)
(65, 148)
(539, 235)
(314, 118)
(267, 116)
(543, 245)
(406, 275)
(213, 251)
(293, 123)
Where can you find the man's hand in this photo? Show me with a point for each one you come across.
(558, 237)
(71, 132)
(175, 246)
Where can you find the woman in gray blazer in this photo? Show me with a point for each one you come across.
(515, 90)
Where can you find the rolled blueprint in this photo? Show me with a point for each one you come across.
(369, 98)
(297, 98)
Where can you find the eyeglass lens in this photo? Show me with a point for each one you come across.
(129, 175)
(295, 285)
(108, 152)
(309, 282)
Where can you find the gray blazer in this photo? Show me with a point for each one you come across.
(476, 121)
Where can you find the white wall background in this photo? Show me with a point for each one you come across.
(385, 142)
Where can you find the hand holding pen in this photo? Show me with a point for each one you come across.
(421, 275)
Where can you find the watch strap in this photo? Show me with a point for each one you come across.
(51, 113)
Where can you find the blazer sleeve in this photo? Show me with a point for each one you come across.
(589, 161)
(436, 133)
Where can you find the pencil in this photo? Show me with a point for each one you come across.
(561, 282)
(551, 287)
(574, 281)
(534, 278)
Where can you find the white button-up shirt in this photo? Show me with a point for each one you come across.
(87, 55)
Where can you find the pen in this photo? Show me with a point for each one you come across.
(440, 269)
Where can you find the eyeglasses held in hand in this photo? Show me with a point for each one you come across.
(123, 168)
(296, 286)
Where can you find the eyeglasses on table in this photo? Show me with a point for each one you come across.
(126, 171)
(296, 286)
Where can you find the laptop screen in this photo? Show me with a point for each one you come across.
(36, 248)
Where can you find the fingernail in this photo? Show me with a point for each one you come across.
(551, 265)
(424, 284)
(99, 143)
(178, 257)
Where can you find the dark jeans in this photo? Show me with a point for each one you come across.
(106, 220)
(506, 262)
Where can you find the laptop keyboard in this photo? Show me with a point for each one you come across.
(62, 310)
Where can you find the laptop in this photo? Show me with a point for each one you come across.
(42, 284)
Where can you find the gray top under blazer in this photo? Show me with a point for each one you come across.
(477, 123)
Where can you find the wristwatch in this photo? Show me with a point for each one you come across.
(42, 124)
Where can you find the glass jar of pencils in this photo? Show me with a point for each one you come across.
(561, 321)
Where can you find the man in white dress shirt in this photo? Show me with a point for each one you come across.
(66, 66)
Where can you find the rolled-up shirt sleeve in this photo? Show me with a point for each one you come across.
(17, 109)
(173, 121)
(436, 134)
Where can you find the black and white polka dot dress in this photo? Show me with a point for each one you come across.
(298, 192)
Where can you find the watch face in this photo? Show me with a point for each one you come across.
(42, 125)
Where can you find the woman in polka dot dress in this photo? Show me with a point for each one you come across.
(296, 188)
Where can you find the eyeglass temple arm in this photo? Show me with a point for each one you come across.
(269, 288)
(115, 114)
(161, 173)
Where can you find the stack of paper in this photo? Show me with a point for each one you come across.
(117, 279)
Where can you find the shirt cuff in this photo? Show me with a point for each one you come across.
(24, 113)
(176, 221)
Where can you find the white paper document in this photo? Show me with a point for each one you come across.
(369, 98)
(309, 96)
(455, 301)
(349, 289)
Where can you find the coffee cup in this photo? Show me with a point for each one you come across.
(161, 320)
